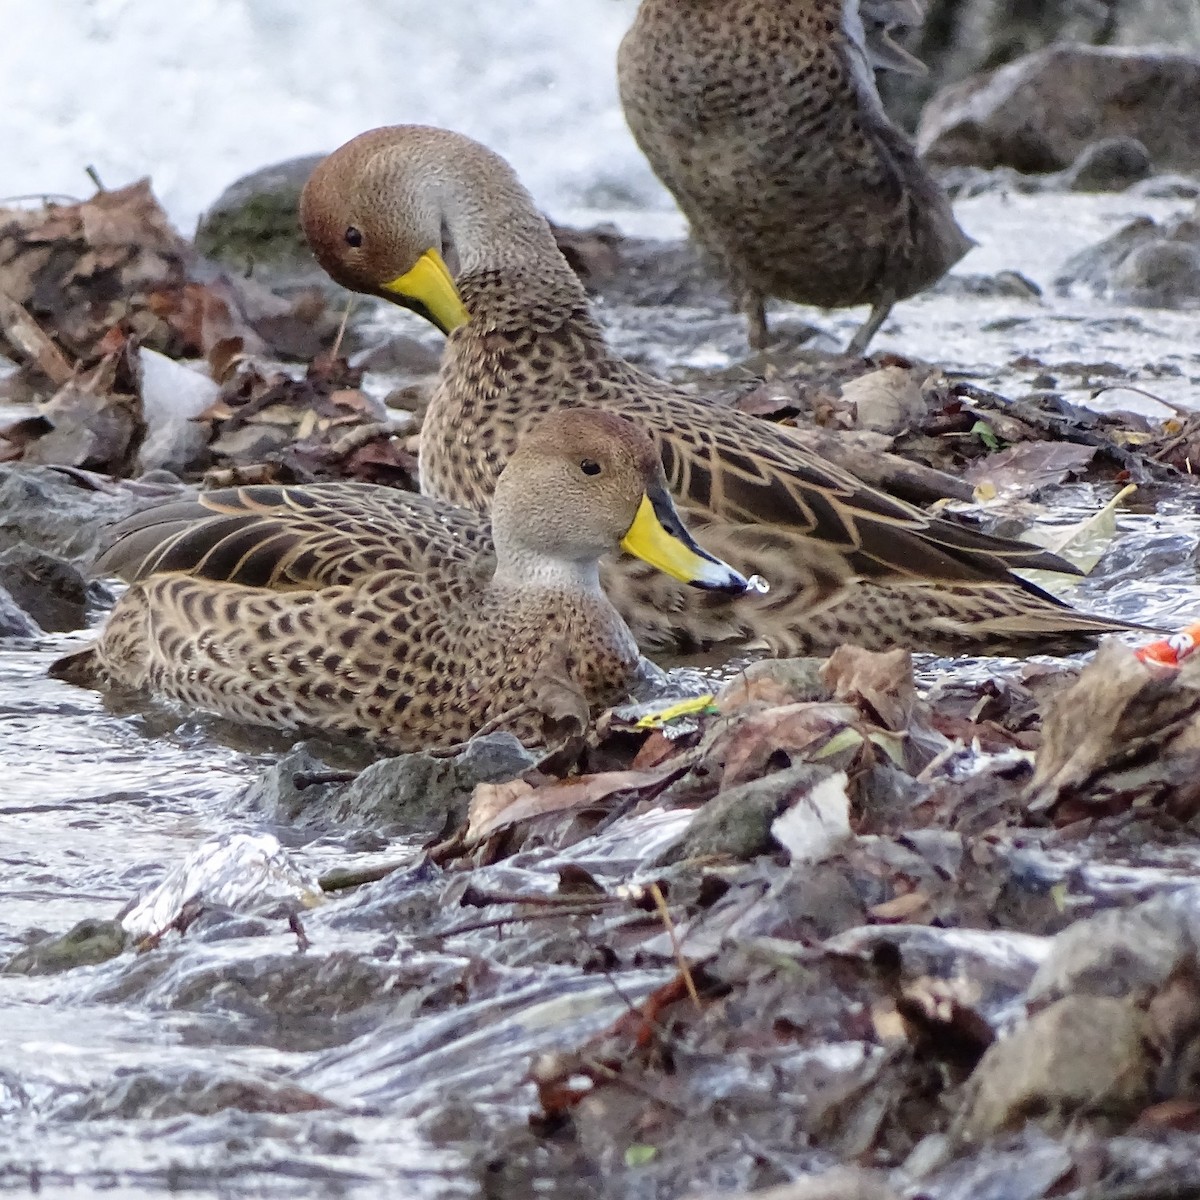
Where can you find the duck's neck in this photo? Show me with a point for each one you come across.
(510, 271)
(522, 570)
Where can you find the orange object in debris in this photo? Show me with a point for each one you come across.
(1171, 651)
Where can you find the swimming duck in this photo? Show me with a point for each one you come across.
(435, 222)
(763, 119)
(363, 611)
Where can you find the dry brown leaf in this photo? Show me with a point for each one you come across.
(1120, 711)
(887, 400)
(1030, 465)
(27, 336)
(793, 729)
(881, 684)
(902, 909)
(495, 806)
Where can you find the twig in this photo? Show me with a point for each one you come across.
(337, 341)
(1178, 409)
(94, 176)
(340, 878)
(660, 904)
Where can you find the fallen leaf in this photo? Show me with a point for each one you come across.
(817, 825)
(888, 400)
(1083, 543)
(881, 684)
(496, 806)
(1030, 465)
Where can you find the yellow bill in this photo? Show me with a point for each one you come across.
(428, 289)
(658, 536)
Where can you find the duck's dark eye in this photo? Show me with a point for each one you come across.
(588, 467)
(353, 237)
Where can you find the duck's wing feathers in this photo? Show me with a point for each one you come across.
(745, 471)
(294, 538)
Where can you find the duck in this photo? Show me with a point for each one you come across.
(435, 222)
(763, 119)
(363, 612)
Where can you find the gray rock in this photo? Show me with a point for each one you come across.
(1167, 187)
(1120, 951)
(1042, 111)
(15, 622)
(962, 37)
(288, 790)
(64, 512)
(253, 227)
(1109, 165)
(419, 791)
(1004, 284)
(51, 590)
(174, 1091)
(1083, 1056)
(737, 822)
(1147, 264)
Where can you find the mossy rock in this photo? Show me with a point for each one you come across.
(253, 228)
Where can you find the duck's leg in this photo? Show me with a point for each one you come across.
(870, 327)
(754, 305)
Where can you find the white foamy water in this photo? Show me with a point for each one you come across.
(195, 94)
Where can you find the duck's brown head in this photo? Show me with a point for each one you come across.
(584, 483)
(375, 213)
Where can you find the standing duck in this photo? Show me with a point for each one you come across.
(763, 120)
(362, 611)
(438, 223)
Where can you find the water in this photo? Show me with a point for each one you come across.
(205, 92)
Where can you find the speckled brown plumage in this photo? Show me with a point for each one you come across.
(844, 561)
(763, 119)
(367, 612)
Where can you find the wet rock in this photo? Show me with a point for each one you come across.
(253, 227)
(1109, 165)
(1094, 267)
(737, 822)
(298, 783)
(64, 511)
(1162, 274)
(1041, 112)
(1002, 285)
(1167, 187)
(1119, 951)
(90, 941)
(15, 622)
(1145, 263)
(653, 272)
(51, 590)
(424, 791)
(147, 1096)
(1082, 1056)
(961, 37)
